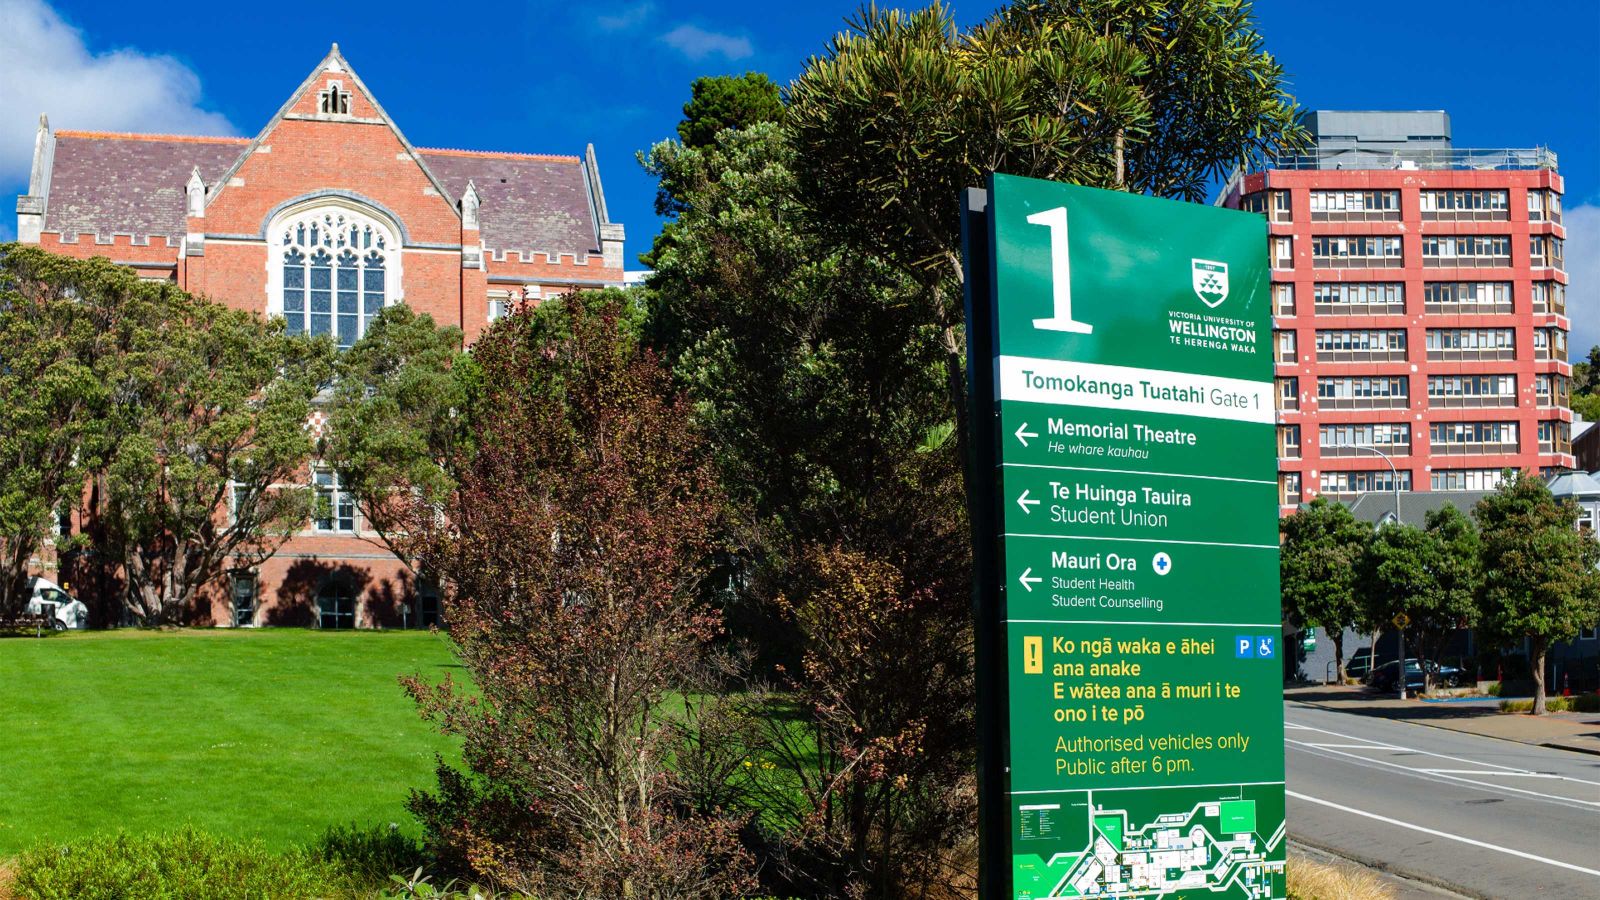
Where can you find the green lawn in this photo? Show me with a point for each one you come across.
(276, 733)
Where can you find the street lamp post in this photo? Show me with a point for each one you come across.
(1394, 481)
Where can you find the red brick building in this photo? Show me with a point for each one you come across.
(1420, 301)
(324, 217)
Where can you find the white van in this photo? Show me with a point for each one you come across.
(64, 611)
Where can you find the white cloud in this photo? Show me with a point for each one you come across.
(626, 18)
(697, 43)
(1583, 272)
(46, 67)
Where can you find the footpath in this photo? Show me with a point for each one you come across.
(1576, 732)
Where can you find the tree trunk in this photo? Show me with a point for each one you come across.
(1372, 651)
(1338, 652)
(1541, 645)
(1122, 181)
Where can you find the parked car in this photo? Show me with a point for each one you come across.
(62, 609)
(1385, 676)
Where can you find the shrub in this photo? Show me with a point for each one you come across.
(367, 858)
(1492, 689)
(1585, 703)
(179, 864)
(1310, 880)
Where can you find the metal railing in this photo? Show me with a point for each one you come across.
(1419, 158)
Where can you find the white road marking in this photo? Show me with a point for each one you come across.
(1443, 834)
(1503, 774)
(1434, 775)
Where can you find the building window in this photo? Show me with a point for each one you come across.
(245, 588)
(1549, 297)
(1344, 440)
(336, 605)
(1289, 441)
(1366, 345)
(1282, 252)
(1555, 436)
(1466, 250)
(1467, 297)
(1362, 251)
(1471, 343)
(1466, 479)
(1544, 206)
(1288, 488)
(1552, 389)
(501, 304)
(62, 526)
(1283, 299)
(335, 101)
(1346, 485)
(1355, 206)
(1473, 437)
(1550, 343)
(1288, 393)
(335, 269)
(1472, 390)
(1465, 205)
(1363, 392)
(1371, 298)
(336, 509)
(1546, 251)
(1285, 342)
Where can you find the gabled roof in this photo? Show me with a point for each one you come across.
(1577, 485)
(333, 62)
(105, 184)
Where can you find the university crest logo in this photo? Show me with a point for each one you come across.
(1210, 281)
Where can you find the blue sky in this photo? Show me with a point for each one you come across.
(545, 77)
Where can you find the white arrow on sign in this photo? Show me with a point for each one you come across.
(1023, 433)
(1028, 579)
(1024, 502)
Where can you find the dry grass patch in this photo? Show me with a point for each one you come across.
(1312, 880)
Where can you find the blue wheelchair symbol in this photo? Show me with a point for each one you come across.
(1264, 649)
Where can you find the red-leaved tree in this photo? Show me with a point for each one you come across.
(573, 557)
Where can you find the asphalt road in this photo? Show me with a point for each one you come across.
(1485, 817)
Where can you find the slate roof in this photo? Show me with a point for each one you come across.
(105, 184)
(1414, 505)
(530, 203)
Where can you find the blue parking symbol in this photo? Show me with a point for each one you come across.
(1244, 648)
(1264, 648)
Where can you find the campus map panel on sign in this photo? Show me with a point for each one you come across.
(1138, 550)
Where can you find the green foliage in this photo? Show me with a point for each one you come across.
(1322, 543)
(219, 425)
(169, 866)
(1581, 703)
(717, 102)
(818, 378)
(1539, 570)
(400, 419)
(67, 330)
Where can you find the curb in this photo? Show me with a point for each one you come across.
(1550, 745)
(1432, 885)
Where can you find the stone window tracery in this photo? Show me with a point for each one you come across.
(337, 272)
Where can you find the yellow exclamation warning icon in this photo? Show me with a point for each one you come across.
(1033, 655)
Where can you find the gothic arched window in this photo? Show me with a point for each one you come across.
(336, 272)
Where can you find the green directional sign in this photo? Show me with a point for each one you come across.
(1126, 534)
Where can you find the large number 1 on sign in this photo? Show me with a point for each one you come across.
(1060, 274)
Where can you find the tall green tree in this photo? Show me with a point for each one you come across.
(70, 334)
(717, 102)
(820, 385)
(902, 111)
(1456, 575)
(210, 475)
(400, 419)
(1539, 570)
(1322, 544)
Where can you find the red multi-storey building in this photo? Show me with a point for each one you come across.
(328, 214)
(1420, 327)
